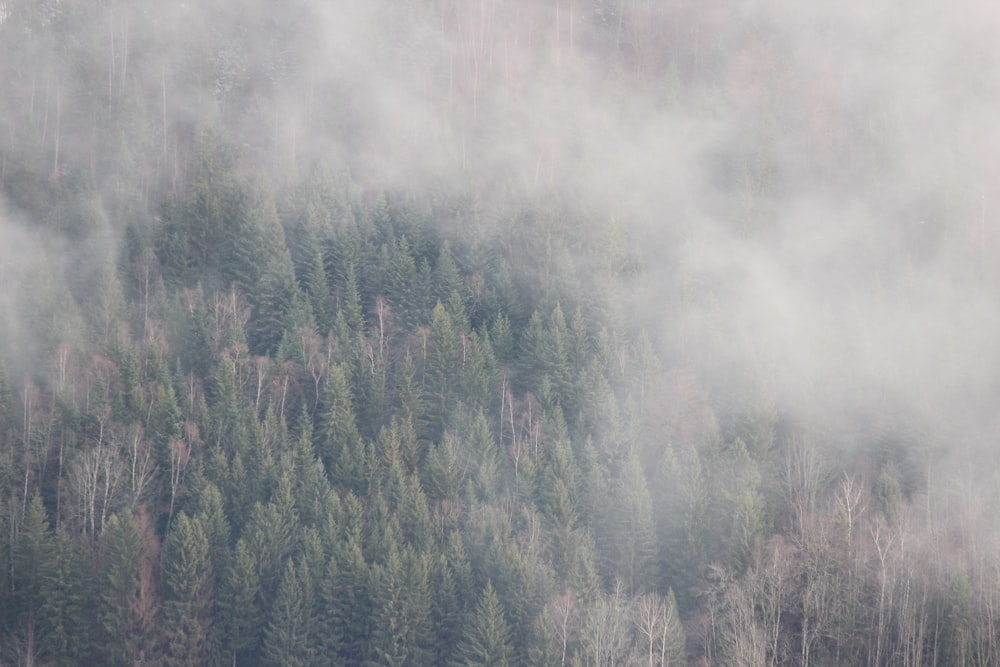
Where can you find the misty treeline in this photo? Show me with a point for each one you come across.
(484, 333)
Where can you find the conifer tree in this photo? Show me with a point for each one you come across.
(240, 605)
(189, 593)
(402, 620)
(441, 368)
(447, 280)
(128, 606)
(320, 294)
(338, 443)
(67, 592)
(30, 560)
(346, 601)
(486, 640)
(290, 637)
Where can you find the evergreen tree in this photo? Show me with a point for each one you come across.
(486, 641)
(477, 372)
(349, 322)
(272, 535)
(128, 607)
(30, 562)
(339, 444)
(346, 603)
(189, 593)
(446, 611)
(402, 620)
(320, 294)
(290, 637)
(441, 368)
(67, 607)
(240, 606)
(447, 281)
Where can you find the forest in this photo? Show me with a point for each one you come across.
(499, 332)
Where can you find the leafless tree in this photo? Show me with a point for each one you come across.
(605, 634)
(658, 628)
(95, 480)
(803, 475)
(140, 463)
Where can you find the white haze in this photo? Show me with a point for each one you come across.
(819, 177)
(824, 172)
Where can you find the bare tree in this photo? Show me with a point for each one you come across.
(95, 479)
(140, 462)
(658, 629)
(744, 639)
(803, 475)
(605, 634)
(559, 623)
(851, 504)
(882, 538)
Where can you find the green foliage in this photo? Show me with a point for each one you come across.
(188, 593)
(241, 605)
(486, 641)
(66, 601)
(31, 551)
(339, 445)
(290, 638)
(128, 607)
(402, 609)
(346, 603)
(383, 420)
(444, 359)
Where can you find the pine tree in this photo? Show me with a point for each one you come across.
(318, 289)
(349, 322)
(31, 552)
(241, 614)
(273, 534)
(66, 590)
(441, 368)
(477, 372)
(290, 637)
(127, 607)
(338, 442)
(209, 510)
(346, 601)
(446, 610)
(189, 594)
(486, 641)
(447, 280)
(402, 611)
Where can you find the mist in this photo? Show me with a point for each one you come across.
(793, 203)
(823, 173)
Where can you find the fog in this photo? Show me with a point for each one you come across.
(818, 177)
(767, 400)
(823, 173)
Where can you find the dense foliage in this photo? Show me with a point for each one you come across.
(265, 402)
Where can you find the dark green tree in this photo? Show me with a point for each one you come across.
(290, 637)
(486, 640)
(188, 593)
(402, 609)
(240, 606)
(346, 605)
(338, 444)
(320, 294)
(30, 562)
(67, 592)
(128, 607)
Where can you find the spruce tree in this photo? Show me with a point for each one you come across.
(241, 613)
(189, 593)
(290, 637)
(486, 640)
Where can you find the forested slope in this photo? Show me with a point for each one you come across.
(496, 333)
